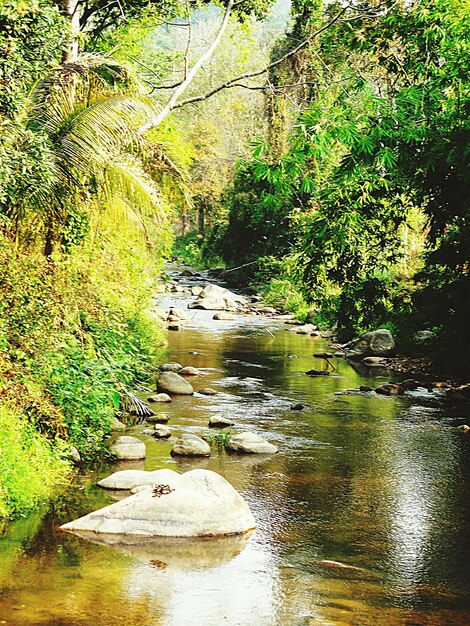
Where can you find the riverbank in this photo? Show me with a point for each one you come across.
(75, 331)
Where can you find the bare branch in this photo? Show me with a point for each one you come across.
(233, 81)
(173, 101)
(273, 88)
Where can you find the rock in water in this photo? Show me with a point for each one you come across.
(375, 361)
(250, 443)
(173, 384)
(190, 445)
(159, 397)
(117, 425)
(376, 343)
(189, 370)
(159, 418)
(161, 432)
(209, 304)
(317, 373)
(217, 421)
(224, 317)
(128, 448)
(390, 389)
(171, 367)
(199, 503)
(128, 479)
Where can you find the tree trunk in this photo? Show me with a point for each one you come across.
(72, 13)
(201, 227)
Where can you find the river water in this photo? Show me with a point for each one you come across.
(377, 484)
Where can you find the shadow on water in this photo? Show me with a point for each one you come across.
(363, 516)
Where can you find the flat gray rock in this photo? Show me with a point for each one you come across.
(199, 503)
(173, 384)
(190, 445)
(250, 443)
(128, 448)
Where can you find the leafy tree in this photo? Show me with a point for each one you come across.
(386, 132)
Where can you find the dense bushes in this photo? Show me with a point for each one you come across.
(380, 151)
(30, 467)
(75, 331)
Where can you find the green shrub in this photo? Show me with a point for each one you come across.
(282, 294)
(30, 468)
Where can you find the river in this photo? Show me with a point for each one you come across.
(363, 517)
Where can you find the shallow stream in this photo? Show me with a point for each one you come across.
(363, 516)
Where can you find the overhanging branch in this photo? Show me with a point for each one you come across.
(173, 101)
(233, 82)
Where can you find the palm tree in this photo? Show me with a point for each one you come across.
(90, 111)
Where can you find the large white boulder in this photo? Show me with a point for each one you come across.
(211, 290)
(212, 303)
(216, 298)
(128, 479)
(199, 503)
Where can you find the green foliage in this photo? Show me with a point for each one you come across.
(30, 469)
(259, 222)
(26, 27)
(192, 249)
(187, 249)
(219, 439)
(26, 163)
(387, 133)
(76, 333)
(284, 295)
